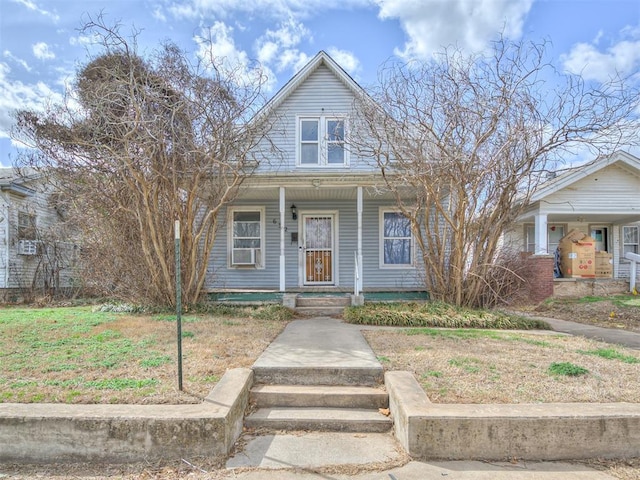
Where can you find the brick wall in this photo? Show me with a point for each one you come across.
(540, 277)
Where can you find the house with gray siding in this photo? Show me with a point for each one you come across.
(312, 217)
(36, 258)
(600, 199)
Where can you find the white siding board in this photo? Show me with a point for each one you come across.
(610, 190)
(322, 93)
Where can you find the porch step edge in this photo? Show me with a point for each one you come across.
(345, 376)
(320, 311)
(320, 419)
(331, 396)
(342, 301)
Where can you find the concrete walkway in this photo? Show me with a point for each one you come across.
(610, 335)
(331, 344)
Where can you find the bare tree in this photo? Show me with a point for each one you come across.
(471, 137)
(139, 143)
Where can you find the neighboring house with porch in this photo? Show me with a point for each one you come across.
(35, 259)
(311, 218)
(601, 199)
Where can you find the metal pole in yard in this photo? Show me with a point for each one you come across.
(179, 302)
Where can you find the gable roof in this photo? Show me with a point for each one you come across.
(578, 173)
(321, 58)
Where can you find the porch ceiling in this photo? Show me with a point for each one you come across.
(307, 191)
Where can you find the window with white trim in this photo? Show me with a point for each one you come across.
(396, 240)
(555, 232)
(321, 141)
(26, 226)
(246, 237)
(630, 239)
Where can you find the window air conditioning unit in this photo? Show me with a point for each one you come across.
(245, 256)
(27, 247)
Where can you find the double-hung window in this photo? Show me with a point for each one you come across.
(246, 237)
(396, 240)
(321, 141)
(26, 226)
(630, 239)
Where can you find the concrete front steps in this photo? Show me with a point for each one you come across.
(322, 408)
(325, 408)
(327, 305)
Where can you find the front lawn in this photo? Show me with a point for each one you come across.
(79, 355)
(490, 366)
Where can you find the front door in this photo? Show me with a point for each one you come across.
(600, 234)
(318, 249)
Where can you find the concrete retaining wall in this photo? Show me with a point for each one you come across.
(496, 432)
(579, 287)
(43, 433)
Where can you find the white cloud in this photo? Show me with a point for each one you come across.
(621, 58)
(18, 95)
(158, 14)
(84, 40)
(41, 51)
(19, 61)
(280, 46)
(293, 59)
(194, 9)
(216, 46)
(432, 25)
(267, 52)
(345, 59)
(35, 8)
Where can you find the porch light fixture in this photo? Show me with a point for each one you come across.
(294, 212)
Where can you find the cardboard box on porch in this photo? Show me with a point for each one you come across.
(577, 255)
(604, 265)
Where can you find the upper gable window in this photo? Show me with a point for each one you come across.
(321, 141)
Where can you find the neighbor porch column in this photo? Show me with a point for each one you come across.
(542, 247)
(282, 232)
(359, 253)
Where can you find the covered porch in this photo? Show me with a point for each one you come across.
(316, 233)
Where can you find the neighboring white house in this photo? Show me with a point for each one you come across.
(601, 199)
(35, 259)
(311, 217)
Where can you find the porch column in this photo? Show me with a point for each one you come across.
(282, 232)
(542, 247)
(359, 253)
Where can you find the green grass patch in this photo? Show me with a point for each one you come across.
(458, 333)
(611, 354)
(120, 383)
(469, 365)
(155, 361)
(567, 369)
(437, 315)
(625, 300)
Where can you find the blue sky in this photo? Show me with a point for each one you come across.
(41, 46)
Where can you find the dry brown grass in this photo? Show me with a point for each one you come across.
(616, 311)
(508, 367)
(46, 364)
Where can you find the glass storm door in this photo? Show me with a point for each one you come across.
(318, 249)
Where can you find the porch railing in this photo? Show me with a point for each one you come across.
(635, 258)
(356, 276)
